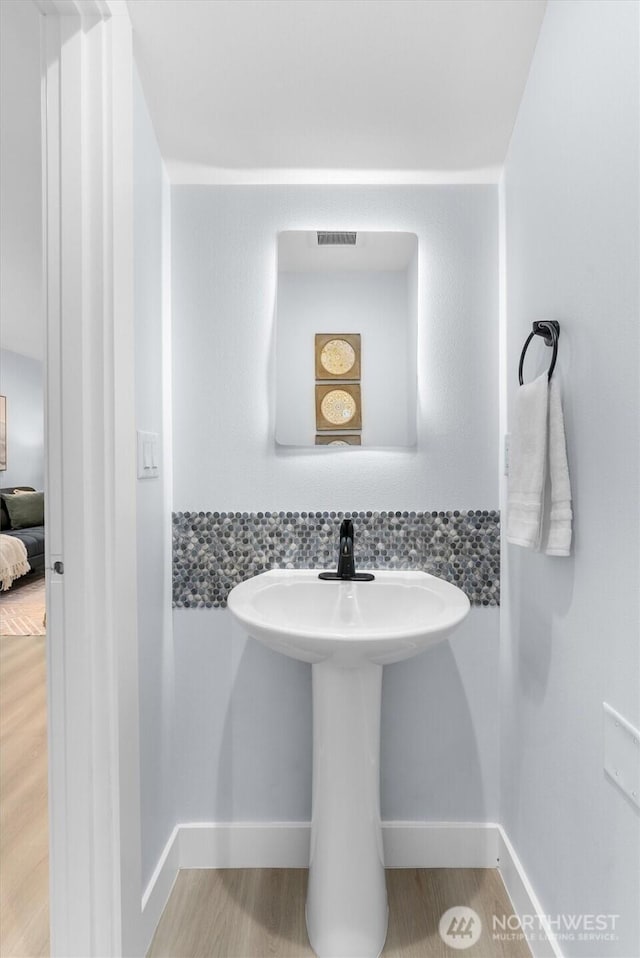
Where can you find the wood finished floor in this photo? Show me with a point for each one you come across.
(259, 913)
(241, 913)
(24, 861)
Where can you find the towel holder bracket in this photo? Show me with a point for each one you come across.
(549, 329)
(541, 328)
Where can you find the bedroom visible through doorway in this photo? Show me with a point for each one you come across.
(24, 753)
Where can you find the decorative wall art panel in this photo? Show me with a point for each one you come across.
(338, 406)
(337, 356)
(346, 440)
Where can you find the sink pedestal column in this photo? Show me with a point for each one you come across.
(347, 897)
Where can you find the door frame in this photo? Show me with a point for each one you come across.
(90, 454)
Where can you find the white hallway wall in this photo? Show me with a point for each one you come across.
(243, 714)
(21, 295)
(21, 381)
(156, 667)
(571, 626)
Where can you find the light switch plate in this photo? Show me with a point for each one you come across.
(148, 455)
(622, 753)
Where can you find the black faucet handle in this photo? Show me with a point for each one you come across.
(346, 529)
(346, 542)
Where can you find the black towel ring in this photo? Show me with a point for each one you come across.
(550, 329)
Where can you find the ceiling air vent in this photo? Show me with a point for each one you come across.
(336, 239)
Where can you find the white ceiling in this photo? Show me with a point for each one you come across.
(334, 90)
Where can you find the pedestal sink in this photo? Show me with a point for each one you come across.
(348, 631)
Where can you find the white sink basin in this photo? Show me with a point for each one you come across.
(396, 616)
(348, 630)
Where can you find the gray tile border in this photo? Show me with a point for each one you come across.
(213, 551)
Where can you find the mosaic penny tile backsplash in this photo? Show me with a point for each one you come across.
(213, 551)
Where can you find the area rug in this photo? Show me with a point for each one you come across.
(22, 608)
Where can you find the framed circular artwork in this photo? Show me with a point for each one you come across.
(338, 406)
(353, 439)
(338, 356)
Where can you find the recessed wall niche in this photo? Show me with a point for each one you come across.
(369, 289)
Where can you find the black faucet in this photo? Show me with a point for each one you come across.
(346, 561)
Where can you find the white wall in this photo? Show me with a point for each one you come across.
(21, 288)
(224, 275)
(374, 304)
(156, 666)
(243, 729)
(571, 626)
(21, 294)
(22, 383)
(243, 732)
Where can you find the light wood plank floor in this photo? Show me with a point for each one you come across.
(24, 862)
(259, 913)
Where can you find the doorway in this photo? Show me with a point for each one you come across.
(24, 819)
(84, 103)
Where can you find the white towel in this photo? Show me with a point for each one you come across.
(538, 450)
(13, 561)
(527, 464)
(560, 516)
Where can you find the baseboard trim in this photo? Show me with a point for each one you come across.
(406, 845)
(440, 845)
(525, 902)
(244, 845)
(156, 894)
